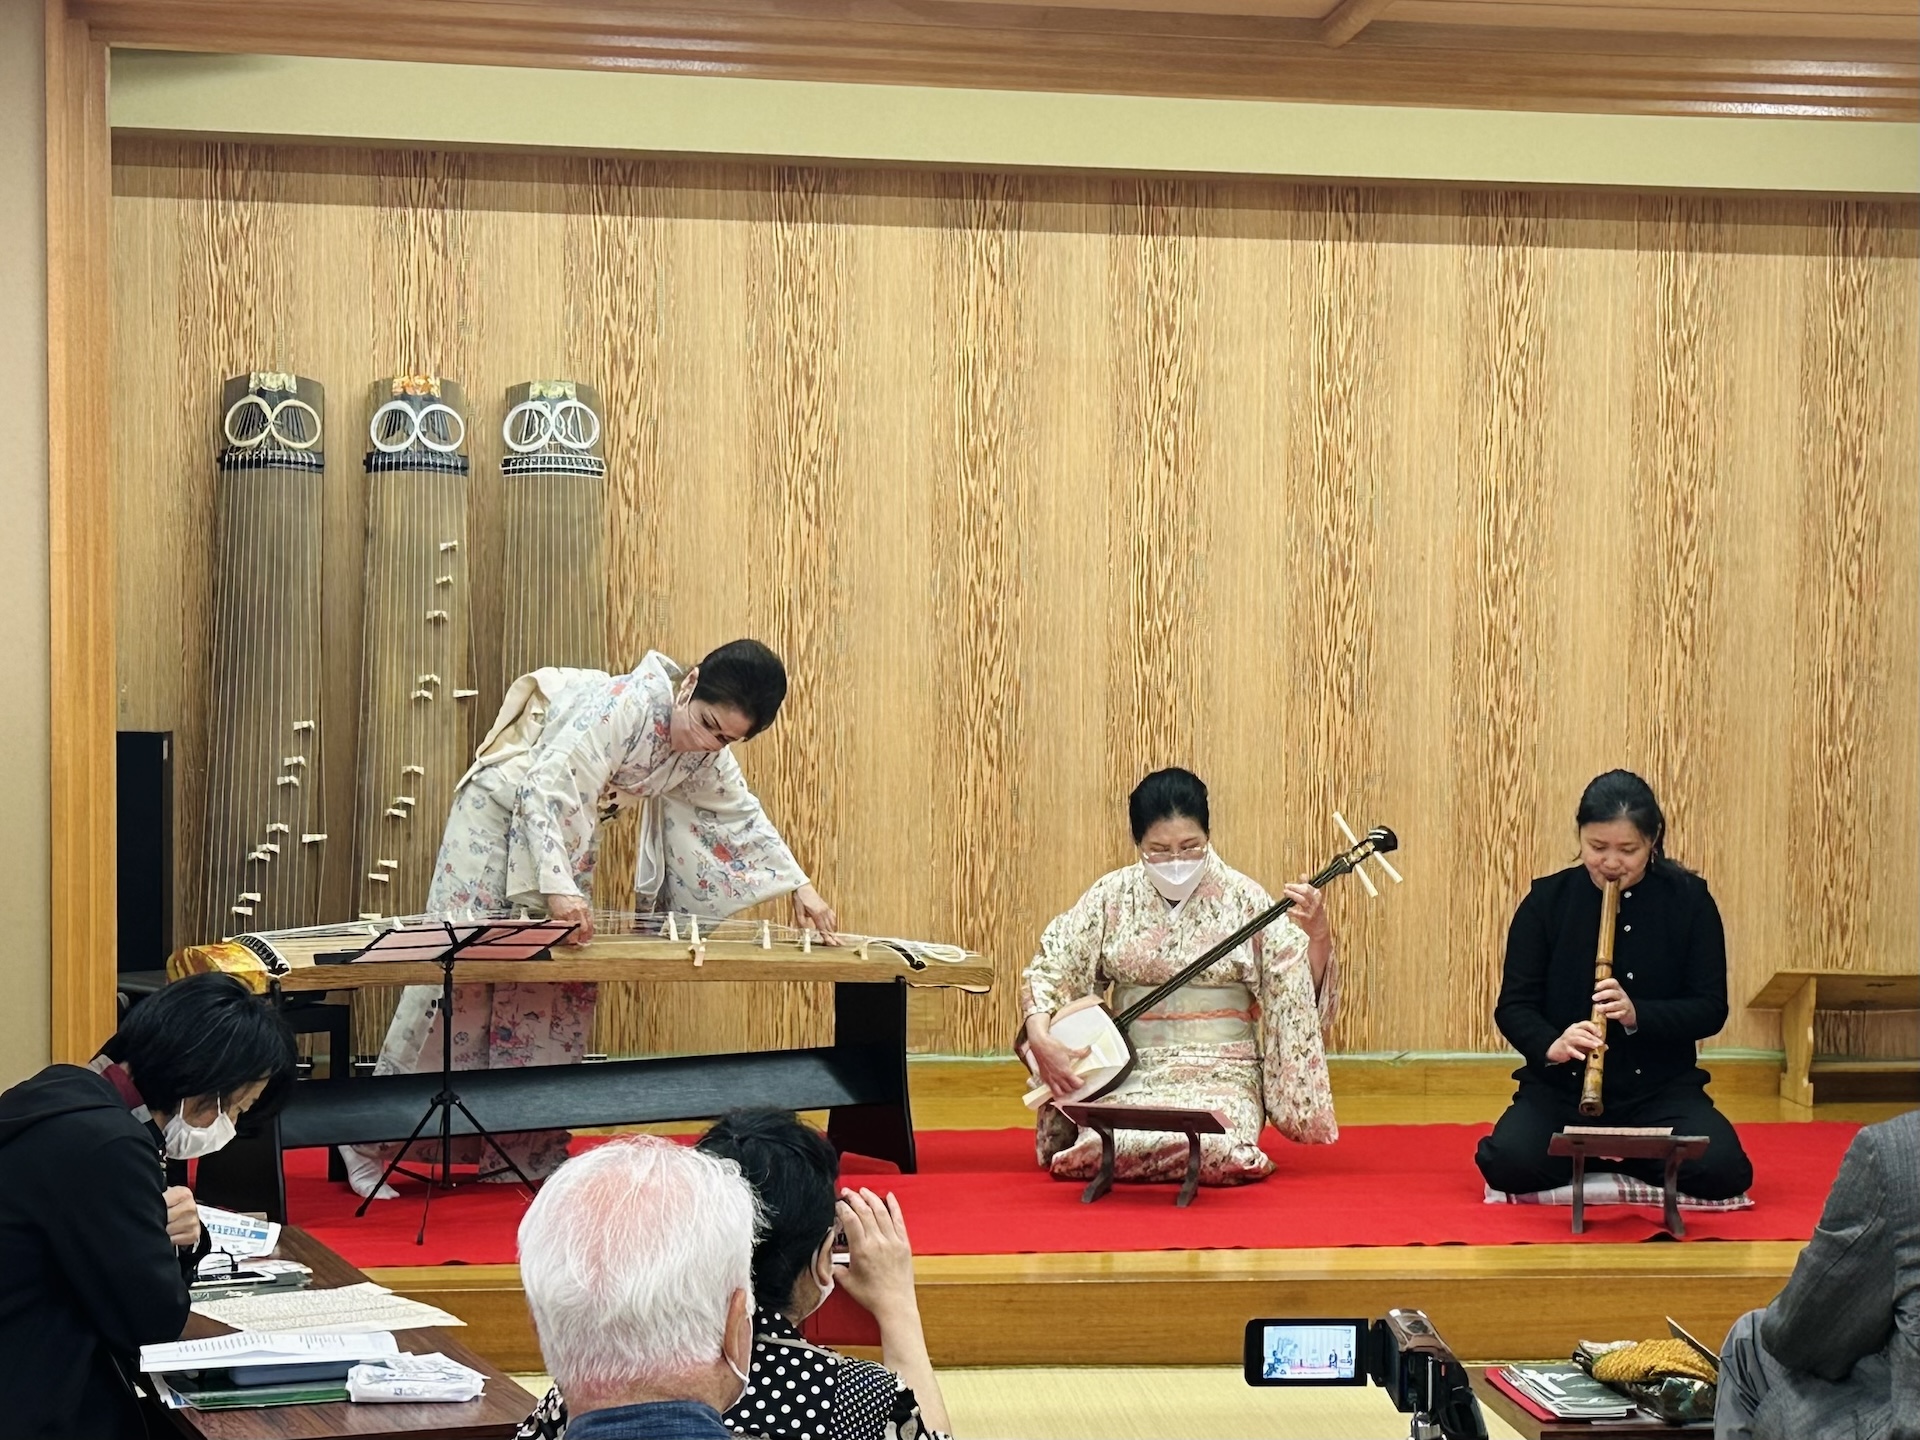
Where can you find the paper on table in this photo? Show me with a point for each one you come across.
(259, 1348)
(345, 1310)
(239, 1234)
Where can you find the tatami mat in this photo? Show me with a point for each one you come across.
(1143, 1403)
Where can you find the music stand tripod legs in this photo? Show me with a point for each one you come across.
(443, 1104)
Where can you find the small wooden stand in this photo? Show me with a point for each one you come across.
(1628, 1145)
(1103, 1120)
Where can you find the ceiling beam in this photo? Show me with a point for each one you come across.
(1070, 48)
(1348, 18)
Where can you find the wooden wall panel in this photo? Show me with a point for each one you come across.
(1501, 656)
(1839, 658)
(1158, 528)
(983, 471)
(1426, 505)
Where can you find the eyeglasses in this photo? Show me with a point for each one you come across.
(1194, 851)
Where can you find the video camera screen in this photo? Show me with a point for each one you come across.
(1306, 1352)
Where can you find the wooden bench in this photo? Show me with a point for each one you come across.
(1797, 994)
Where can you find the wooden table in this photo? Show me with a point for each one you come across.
(1642, 1426)
(860, 1079)
(497, 1413)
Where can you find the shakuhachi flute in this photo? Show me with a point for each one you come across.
(1590, 1101)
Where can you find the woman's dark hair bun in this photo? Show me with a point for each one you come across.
(1163, 795)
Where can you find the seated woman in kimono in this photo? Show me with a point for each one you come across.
(570, 749)
(1244, 1038)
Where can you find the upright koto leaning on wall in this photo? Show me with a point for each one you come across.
(263, 842)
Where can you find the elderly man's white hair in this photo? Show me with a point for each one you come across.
(629, 1256)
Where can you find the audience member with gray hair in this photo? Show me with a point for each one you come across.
(637, 1259)
(813, 1241)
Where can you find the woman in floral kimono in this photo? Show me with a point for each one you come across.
(570, 749)
(1243, 1038)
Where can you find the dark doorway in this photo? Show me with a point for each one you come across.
(144, 814)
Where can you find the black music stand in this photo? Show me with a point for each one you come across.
(446, 943)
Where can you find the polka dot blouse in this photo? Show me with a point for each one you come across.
(796, 1391)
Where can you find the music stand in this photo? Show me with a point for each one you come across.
(1630, 1143)
(446, 943)
(1105, 1117)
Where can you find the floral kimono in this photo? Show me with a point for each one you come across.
(572, 748)
(1243, 1037)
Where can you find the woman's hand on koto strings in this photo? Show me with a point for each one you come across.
(573, 910)
(811, 912)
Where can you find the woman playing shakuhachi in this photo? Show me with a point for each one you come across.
(570, 749)
(1244, 1038)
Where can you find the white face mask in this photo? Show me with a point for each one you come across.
(189, 1142)
(1175, 879)
(745, 1384)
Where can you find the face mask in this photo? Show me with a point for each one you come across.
(189, 1142)
(1175, 879)
(745, 1384)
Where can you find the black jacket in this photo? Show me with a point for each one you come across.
(1669, 955)
(87, 1273)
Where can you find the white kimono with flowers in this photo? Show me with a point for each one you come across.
(570, 749)
(1244, 1037)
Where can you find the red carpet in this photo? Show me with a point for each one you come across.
(979, 1193)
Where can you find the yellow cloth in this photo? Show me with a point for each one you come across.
(1652, 1360)
(224, 957)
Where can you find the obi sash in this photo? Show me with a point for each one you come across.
(1192, 1015)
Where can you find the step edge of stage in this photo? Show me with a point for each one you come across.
(1717, 1259)
(996, 1309)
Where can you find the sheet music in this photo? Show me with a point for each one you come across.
(344, 1310)
(238, 1234)
(244, 1348)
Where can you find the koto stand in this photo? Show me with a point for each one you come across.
(446, 944)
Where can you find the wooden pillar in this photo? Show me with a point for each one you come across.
(80, 540)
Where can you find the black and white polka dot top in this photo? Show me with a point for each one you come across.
(800, 1391)
(795, 1391)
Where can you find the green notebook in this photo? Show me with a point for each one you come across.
(253, 1397)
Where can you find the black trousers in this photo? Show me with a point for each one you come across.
(1514, 1157)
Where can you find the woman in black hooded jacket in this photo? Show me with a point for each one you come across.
(96, 1249)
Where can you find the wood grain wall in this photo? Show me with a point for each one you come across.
(1427, 505)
